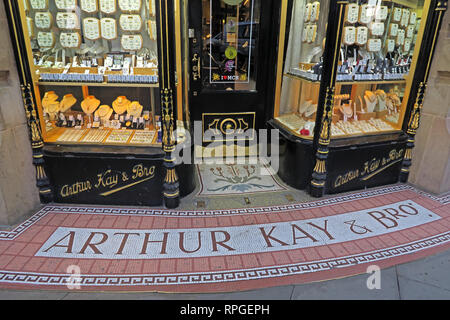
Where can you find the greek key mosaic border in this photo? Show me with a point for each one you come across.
(227, 276)
(255, 210)
(11, 235)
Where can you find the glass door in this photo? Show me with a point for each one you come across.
(230, 45)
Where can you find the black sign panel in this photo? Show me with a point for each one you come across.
(112, 181)
(365, 166)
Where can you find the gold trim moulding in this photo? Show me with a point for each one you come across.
(98, 84)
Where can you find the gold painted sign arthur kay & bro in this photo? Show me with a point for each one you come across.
(110, 180)
(370, 168)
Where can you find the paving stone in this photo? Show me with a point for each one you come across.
(349, 288)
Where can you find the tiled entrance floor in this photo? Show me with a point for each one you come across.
(222, 250)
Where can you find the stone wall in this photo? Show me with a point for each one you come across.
(430, 168)
(18, 192)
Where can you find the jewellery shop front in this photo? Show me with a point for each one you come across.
(107, 83)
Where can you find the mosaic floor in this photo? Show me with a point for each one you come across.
(223, 250)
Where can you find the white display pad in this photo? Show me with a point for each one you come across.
(108, 6)
(66, 4)
(130, 22)
(130, 5)
(67, 20)
(46, 39)
(70, 39)
(43, 20)
(108, 28)
(91, 28)
(131, 42)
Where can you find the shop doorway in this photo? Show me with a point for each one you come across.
(231, 49)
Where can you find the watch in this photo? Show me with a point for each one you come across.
(361, 35)
(89, 6)
(46, 39)
(315, 11)
(377, 28)
(67, 20)
(70, 39)
(352, 13)
(130, 5)
(91, 28)
(108, 6)
(393, 29)
(381, 13)
(307, 14)
(66, 4)
(349, 35)
(108, 28)
(39, 4)
(131, 42)
(397, 15)
(400, 37)
(43, 20)
(130, 22)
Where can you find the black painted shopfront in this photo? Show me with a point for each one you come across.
(106, 85)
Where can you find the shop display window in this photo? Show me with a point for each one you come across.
(95, 70)
(377, 58)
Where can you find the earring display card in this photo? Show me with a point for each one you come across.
(46, 39)
(352, 13)
(108, 6)
(349, 35)
(130, 22)
(108, 28)
(397, 15)
(39, 4)
(91, 28)
(410, 31)
(400, 37)
(67, 20)
(374, 45)
(43, 20)
(361, 35)
(393, 29)
(377, 28)
(315, 11)
(70, 39)
(307, 14)
(390, 45)
(130, 5)
(66, 4)
(405, 17)
(132, 42)
(381, 13)
(89, 6)
(366, 13)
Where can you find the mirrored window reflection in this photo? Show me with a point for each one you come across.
(230, 39)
